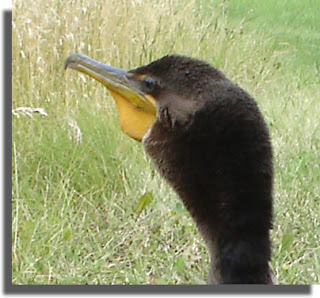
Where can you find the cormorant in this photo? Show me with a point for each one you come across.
(209, 140)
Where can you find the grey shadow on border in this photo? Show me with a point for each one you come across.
(10, 288)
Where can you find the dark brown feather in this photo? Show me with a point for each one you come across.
(211, 143)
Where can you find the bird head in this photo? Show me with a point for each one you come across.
(168, 90)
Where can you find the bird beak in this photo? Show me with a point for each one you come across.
(137, 110)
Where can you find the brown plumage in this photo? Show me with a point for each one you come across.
(210, 142)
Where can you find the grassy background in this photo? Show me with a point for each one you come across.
(88, 205)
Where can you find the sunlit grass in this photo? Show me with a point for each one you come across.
(77, 179)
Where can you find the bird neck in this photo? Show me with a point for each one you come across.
(237, 257)
(228, 196)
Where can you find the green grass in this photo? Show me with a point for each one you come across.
(95, 211)
(294, 24)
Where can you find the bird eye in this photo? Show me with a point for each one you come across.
(149, 85)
